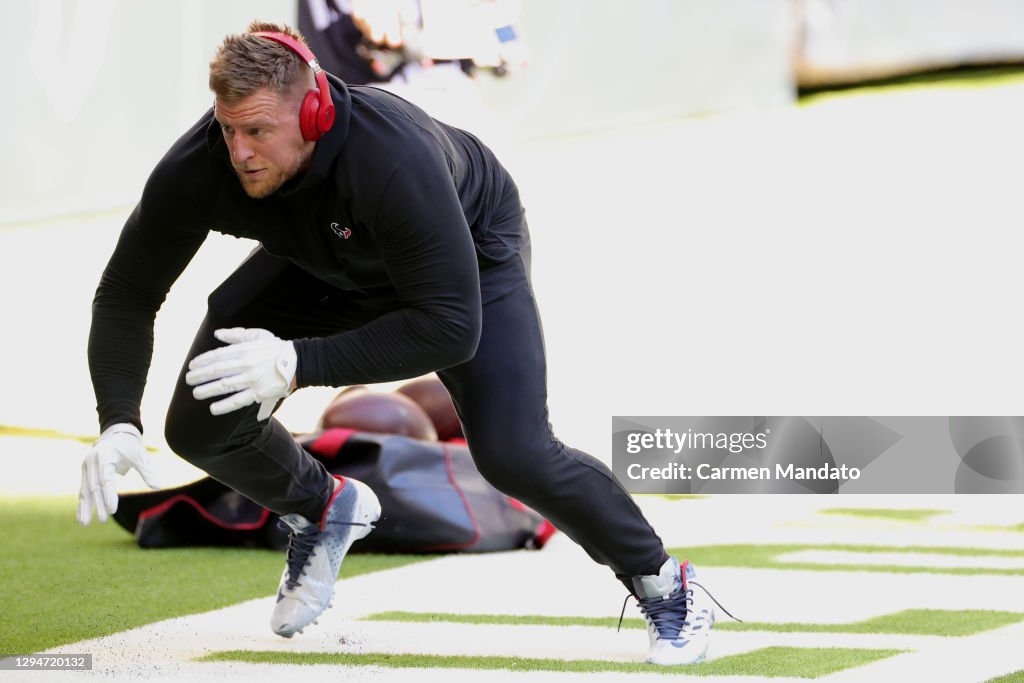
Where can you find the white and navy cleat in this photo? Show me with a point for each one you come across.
(315, 554)
(679, 632)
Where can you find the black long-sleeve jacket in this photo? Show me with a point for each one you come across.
(392, 199)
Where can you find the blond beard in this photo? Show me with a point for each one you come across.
(274, 179)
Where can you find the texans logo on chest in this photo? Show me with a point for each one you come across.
(341, 231)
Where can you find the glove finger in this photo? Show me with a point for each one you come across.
(235, 402)
(237, 335)
(92, 468)
(221, 353)
(235, 352)
(147, 470)
(266, 409)
(215, 370)
(96, 493)
(84, 499)
(84, 510)
(218, 387)
(109, 490)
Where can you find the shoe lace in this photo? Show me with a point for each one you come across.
(669, 614)
(300, 548)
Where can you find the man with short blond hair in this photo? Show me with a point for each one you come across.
(391, 246)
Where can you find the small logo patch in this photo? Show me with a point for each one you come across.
(342, 232)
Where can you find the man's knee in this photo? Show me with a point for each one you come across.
(191, 432)
(186, 442)
(519, 467)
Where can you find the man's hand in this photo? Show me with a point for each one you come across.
(118, 450)
(255, 367)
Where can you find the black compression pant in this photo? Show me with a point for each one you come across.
(500, 395)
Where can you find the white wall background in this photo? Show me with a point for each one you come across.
(100, 88)
(96, 90)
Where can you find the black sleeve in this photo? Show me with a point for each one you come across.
(431, 261)
(157, 242)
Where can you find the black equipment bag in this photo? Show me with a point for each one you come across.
(433, 500)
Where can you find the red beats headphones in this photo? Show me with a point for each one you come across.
(316, 115)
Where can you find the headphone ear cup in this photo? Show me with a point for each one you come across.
(308, 116)
(325, 116)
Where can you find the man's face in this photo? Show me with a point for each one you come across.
(262, 134)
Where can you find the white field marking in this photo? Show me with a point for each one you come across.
(913, 559)
(560, 580)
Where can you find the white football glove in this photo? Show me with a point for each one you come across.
(254, 367)
(118, 450)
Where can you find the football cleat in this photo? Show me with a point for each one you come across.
(315, 554)
(679, 632)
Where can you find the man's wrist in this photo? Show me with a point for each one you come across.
(121, 428)
(287, 365)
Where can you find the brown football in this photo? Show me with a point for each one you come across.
(382, 413)
(431, 395)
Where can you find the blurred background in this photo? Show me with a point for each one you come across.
(738, 206)
(112, 84)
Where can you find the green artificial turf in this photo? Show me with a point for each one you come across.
(917, 622)
(885, 513)
(765, 557)
(61, 582)
(768, 662)
(1015, 677)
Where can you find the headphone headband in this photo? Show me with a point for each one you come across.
(317, 113)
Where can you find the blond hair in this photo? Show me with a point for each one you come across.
(245, 63)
